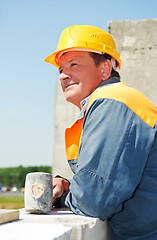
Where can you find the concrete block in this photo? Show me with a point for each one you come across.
(38, 192)
(136, 42)
(7, 215)
(35, 231)
(65, 114)
(83, 228)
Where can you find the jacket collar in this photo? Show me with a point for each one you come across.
(84, 102)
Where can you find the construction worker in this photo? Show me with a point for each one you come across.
(112, 146)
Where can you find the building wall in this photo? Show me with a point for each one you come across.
(137, 44)
(65, 114)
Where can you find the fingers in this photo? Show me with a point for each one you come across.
(60, 185)
(57, 191)
(58, 188)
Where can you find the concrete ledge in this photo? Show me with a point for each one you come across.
(8, 215)
(83, 228)
(35, 231)
(59, 224)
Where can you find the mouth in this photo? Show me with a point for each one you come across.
(69, 86)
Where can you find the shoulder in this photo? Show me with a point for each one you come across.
(118, 91)
(131, 97)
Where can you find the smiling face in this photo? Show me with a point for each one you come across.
(79, 75)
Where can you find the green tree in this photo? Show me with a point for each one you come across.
(17, 175)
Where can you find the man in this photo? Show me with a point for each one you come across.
(112, 146)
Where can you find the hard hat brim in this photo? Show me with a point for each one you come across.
(53, 58)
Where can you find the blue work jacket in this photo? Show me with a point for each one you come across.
(112, 150)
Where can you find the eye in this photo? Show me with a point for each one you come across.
(73, 64)
(60, 70)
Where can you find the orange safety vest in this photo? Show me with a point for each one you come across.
(132, 98)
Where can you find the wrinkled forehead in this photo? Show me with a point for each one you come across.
(60, 54)
(73, 57)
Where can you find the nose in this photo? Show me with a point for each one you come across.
(64, 76)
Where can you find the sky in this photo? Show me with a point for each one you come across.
(29, 32)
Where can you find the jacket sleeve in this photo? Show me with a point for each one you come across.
(113, 152)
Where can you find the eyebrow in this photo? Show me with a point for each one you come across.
(68, 62)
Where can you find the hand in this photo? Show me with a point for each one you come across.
(60, 185)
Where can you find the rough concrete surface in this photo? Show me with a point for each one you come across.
(83, 228)
(137, 44)
(7, 215)
(38, 192)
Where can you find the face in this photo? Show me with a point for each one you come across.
(79, 76)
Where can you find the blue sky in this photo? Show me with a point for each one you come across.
(29, 31)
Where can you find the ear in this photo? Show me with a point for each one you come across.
(106, 70)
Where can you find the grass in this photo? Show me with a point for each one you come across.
(11, 202)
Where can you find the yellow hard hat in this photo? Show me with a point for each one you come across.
(87, 38)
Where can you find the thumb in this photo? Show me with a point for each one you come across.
(57, 192)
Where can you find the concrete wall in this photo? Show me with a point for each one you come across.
(65, 114)
(137, 43)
